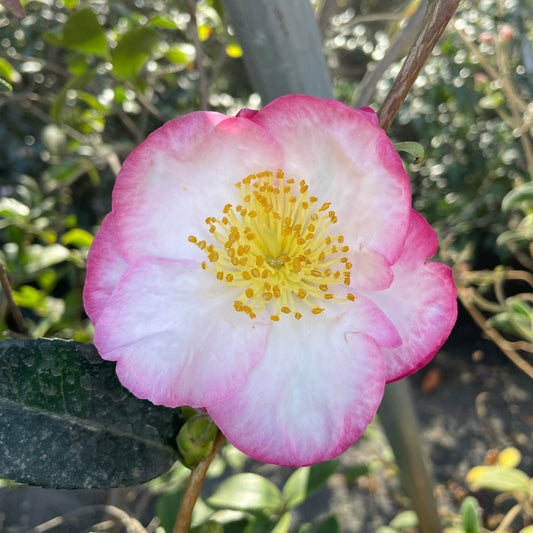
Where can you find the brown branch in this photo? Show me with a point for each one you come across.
(14, 308)
(437, 16)
(192, 490)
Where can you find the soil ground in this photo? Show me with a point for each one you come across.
(466, 408)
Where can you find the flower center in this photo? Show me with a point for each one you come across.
(275, 244)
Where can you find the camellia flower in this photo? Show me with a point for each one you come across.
(268, 268)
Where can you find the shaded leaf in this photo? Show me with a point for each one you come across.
(306, 480)
(83, 32)
(246, 492)
(132, 51)
(79, 426)
(330, 525)
(73, 84)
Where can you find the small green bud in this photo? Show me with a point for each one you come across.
(196, 439)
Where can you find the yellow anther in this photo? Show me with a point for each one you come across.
(277, 246)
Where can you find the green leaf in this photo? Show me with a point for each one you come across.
(72, 85)
(246, 492)
(469, 515)
(284, 524)
(528, 529)
(41, 257)
(8, 72)
(405, 520)
(29, 297)
(520, 197)
(306, 480)
(414, 149)
(5, 86)
(83, 32)
(77, 237)
(163, 21)
(181, 54)
(498, 478)
(330, 525)
(67, 422)
(132, 51)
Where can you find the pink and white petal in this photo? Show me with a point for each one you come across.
(346, 159)
(311, 396)
(182, 174)
(421, 302)
(105, 267)
(371, 271)
(176, 338)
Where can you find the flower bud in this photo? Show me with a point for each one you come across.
(506, 33)
(196, 439)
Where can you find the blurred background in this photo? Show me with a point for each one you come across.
(83, 82)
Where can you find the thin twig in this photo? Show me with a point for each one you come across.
(437, 16)
(367, 88)
(131, 524)
(504, 345)
(203, 83)
(14, 308)
(192, 490)
(508, 519)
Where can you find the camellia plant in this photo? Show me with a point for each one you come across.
(264, 273)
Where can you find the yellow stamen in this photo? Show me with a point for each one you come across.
(276, 243)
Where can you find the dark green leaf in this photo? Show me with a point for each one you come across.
(132, 51)
(330, 525)
(66, 422)
(306, 480)
(83, 32)
(246, 492)
(73, 84)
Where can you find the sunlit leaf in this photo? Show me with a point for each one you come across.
(498, 478)
(510, 457)
(132, 51)
(83, 32)
(8, 72)
(234, 50)
(246, 492)
(77, 237)
(405, 520)
(183, 53)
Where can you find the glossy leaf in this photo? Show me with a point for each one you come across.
(246, 492)
(306, 480)
(520, 197)
(83, 32)
(132, 51)
(66, 422)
